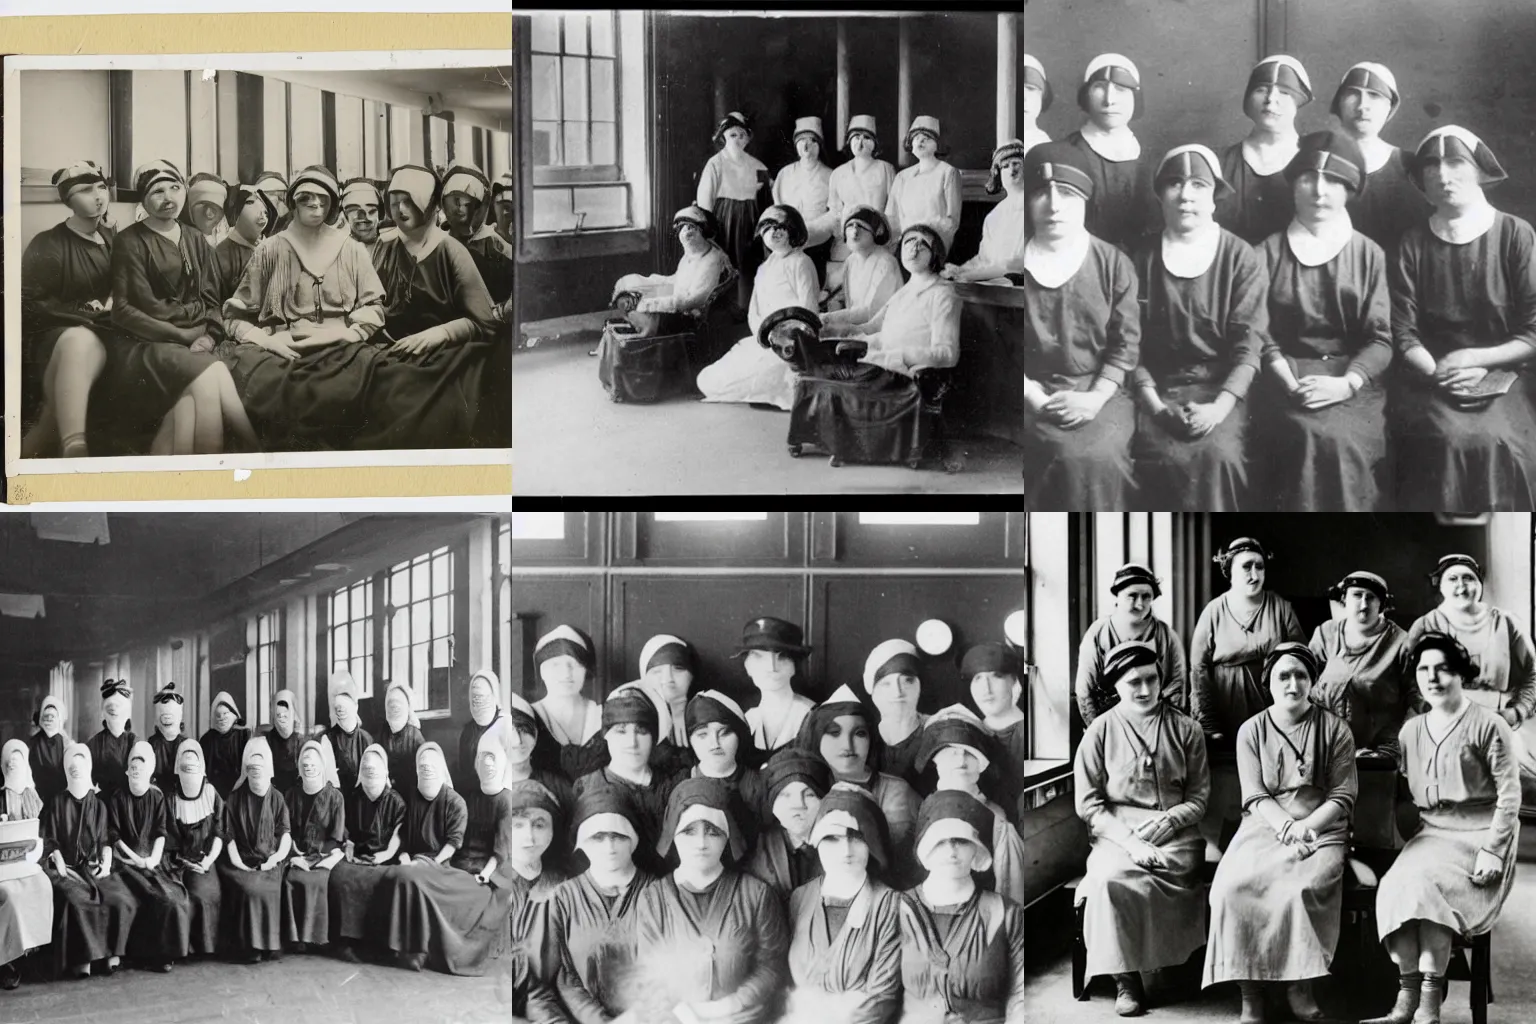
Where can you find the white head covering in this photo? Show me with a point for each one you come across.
(701, 812)
(144, 750)
(430, 751)
(190, 810)
(1285, 60)
(605, 821)
(17, 779)
(257, 746)
(416, 182)
(192, 778)
(655, 644)
(485, 713)
(491, 741)
(223, 697)
(953, 828)
(327, 766)
(1111, 60)
(884, 652)
(409, 718)
(292, 701)
(373, 749)
(76, 787)
(57, 705)
(341, 683)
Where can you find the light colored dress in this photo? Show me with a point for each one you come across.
(1002, 239)
(590, 726)
(925, 197)
(1135, 919)
(696, 276)
(749, 372)
(918, 328)
(1370, 686)
(799, 707)
(1226, 659)
(724, 178)
(806, 191)
(1096, 695)
(849, 187)
(869, 281)
(1275, 918)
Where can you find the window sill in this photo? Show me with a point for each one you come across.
(549, 248)
(1043, 772)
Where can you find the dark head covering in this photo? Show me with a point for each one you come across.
(595, 800)
(1366, 581)
(940, 733)
(81, 172)
(1368, 75)
(564, 639)
(1332, 153)
(1300, 651)
(1034, 74)
(735, 119)
(1128, 655)
(1111, 67)
(1009, 150)
(1059, 162)
(843, 701)
(791, 764)
(790, 332)
(698, 216)
(530, 794)
(1453, 140)
(1457, 658)
(951, 803)
(937, 251)
(790, 218)
(878, 226)
(235, 202)
(112, 686)
(168, 694)
(1133, 572)
(630, 704)
(1450, 560)
(715, 793)
(767, 633)
(856, 802)
(1192, 161)
(706, 707)
(991, 657)
(1237, 547)
(322, 177)
(150, 174)
(1286, 72)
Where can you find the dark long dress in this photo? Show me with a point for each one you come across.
(285, 759)
(60, 273)
(586, 949)
(109, 761)
(349, 748)
(956, 957)
(230, 258)
(1123, 207)
(469, 743)
(1446, 297)
(900, 759)
(221, 754)
(783, 868)
(1259, 205)
(1329, 320)
(252, 907)
(400, 748)
(92, 917)
(1200, 336)
(493, 258)
(1086, 329)
(165, 759)
(163, 928)
(190, 842)
(1389, 204)
(46, 754)
(319, 826)
(370, 825)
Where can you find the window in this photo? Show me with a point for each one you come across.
(919, 518)
(538, 525)
(420, 627)
(269, 662)
(351, 633)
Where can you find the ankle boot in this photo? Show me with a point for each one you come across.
(1409, 987)
(1130, 1000)
(1431, 994)
(1253, 1002)
(1303, 1006)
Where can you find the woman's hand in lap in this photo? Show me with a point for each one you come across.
(421, 341)
(203, 344)
(280, 342)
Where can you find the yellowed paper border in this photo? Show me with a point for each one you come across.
(253, 33)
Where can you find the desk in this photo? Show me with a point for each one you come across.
(989, 381)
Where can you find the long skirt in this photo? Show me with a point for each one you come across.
(1236, 694)
(163, 928)
(28, 902)
(252, 908)
(1457, 459)
(737, 219)
(204, 893)
(443, 912)
(1330, 460)
(1207, 474)
(1431, 880)
(350, 894)
(306, 912)
(870, 414)
(1273, 918)
(92, 918)
(1085, 469)
(749, 373)
(1140, 920)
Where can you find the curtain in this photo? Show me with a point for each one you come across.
(61, 684)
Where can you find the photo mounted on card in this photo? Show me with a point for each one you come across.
(257, 261)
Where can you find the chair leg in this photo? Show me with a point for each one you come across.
(1079, 957)
(1482, 979)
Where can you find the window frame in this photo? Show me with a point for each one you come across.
(368, 585)
(565, 176)
(279, 647)
(421, 697)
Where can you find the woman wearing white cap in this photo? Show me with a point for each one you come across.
(864, 180)
(492, 245)
(207, 195)
(1121, 205)
(667, 667)
(1204, 323)
(893, 680)
(259, 842)
(46, 748)
(466, 202)
(804, 185)
(1260, 201)
(869, 273)
(962, 947)
(563, 659)
(1002, 232)
(1037, 100)
(1389, 204)
(928, 192)
(730, 187)
(1464, 318)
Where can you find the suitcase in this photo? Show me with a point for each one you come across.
(643, 369)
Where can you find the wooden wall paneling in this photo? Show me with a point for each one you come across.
(539, 604)
(778, 541)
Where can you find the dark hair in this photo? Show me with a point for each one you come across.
(936, 249)
(709, 229)
(1224, 557)
(939, 149)
(1457, 659)
(848, 147)
(798, 235)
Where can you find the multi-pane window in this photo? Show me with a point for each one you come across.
(351, 629)
(420, 627)
(269, 662)
(504, 601)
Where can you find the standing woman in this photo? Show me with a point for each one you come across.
(1389, 203)
(402, 735)
(1037, 100)
(794, 784)
(773, 652)
(110, 746)
(729, 187)
(346, 737)
(286, 738)
(1204, 323)
(928, 192)
(259, 842)
(863, 180)
(484, 711)
(564, 660)
(1464, 305)
(318, 818)
(1121, 204)
(1454, 874)
(667, 671)
(962, 947)
(1142, 781)
(712, 937)
(224, 744)
(93, 911)
(27, 891)
(197, 832)
(1330, 321)
(804, 185)
(1279, 888)
(1133, 589)
(47, 749)
(138, 821)
(1082, 338)
(373, 827)
(166, 737)
(994, 674)
(1259, 203)
(893, 682)
(1365, 678)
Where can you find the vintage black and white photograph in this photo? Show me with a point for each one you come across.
(794, 741)
(260, 766)
(1279, 768)
(1281, 257)
(253, 261)
(727, 216)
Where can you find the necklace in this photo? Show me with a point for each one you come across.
(1147, 750)
(1301, 759)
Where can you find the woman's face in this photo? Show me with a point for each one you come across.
(1140, 687)
(1318, 196)
(861, 145)
(374, 773)
(1460, 587)
(858, 236)
(924, 146)
(15, 761)
(951, 859)
(957, 766)
(995, 693)
(397, 708)
(845, 745)
(1248, 573)
(609, 852)
(1034, 99)
(310, 765)
(671, 681)
(1188, 203)
(1290, 683)
(164, 200)
(770, 670)
(1110, 104)
(207, 216)
(79, 768)
(532, 831)
(311, 209)
(795, 807)
(1364, 112)
(689, 234)
(89, 201)
(808, 148)
(362, 219)
(895, 694)
(736, 138)
(460, 211)
(1056, 211)
(916, 254)
(776, 238)
(715, 745)
(482, 697)
(700, 845)
(258, 771)
(1362, 606)
(488, 767)
(1272, 107)
(252, 220)
(1135, 602)
(188, 763)
(563, 676)
(1012, 172)
(223, 718)
(844, 855)
(49, 719)
(344, 708)
(629, 745)
(503, 206)
(282, 716)
(1451, 183)
(1438, 682)
(405, 213)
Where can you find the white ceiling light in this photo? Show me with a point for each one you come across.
(22, 606)
(934, 637)
(1013, 628)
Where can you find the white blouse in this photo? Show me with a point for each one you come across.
(697, 275)
(1002, 239)
(869, 282)
(806, 191)
(724, 178)
(925, 197)
(849, 188)
(917, 329)
(783, 280)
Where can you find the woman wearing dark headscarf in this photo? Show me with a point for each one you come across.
(1389, 204)
(667, 668)
(630, 723)
(1365, 678)
(197, 830)
(224, 744)
(260, 840)
(317, 815)
(93, 911)
(794, 782)
(722, 749)
(1121, 205)
(564, 660)
(275, 187)
(1259, 201)
(251, 217)
(110, 746)
(47, 747)
(138, 821)
(166, 737)
(373, 826)
(492, 246)
(712, 938)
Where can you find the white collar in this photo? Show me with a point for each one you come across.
(1052, 268)
(1034, 136)
(1469, 227)
(1313, 250)
(1377, 153)
(1269, 161)
(1192, 258)
(1118, 146)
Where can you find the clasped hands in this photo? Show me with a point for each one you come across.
(1318, 391)
(1145, 840)
(1302, 839)
(301, 337)
(1457, 372)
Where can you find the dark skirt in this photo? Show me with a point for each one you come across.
(1085, 469)
(1330, 460)
(443, 912)
(91, 919)
(162, 930)
(737, 219)
(252, 909)
(306, 915)
(139, 384)
(349, 895)
(1464, 460)
(864, 414)
(1205, 474)
(819, 255)
(203, 894)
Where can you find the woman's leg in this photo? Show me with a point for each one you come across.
(233, 410)
(208, 422)
(1403, 946)
(78, 358)
(175, 434)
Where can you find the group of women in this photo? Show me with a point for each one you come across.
(245, 846)
(1155, 781)
(1302, 323)
(302, 315)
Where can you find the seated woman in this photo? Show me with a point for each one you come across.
(165, 306)
(794, 783)
(667, 667)
(861, 180)
(93, 911)
(275, 187)
(66, 300)
(373, 823)
(26, 911)
(138, 820)
(492, 247)
(402, 735)
(750, 372)
(1133, 589)
(207, 198)
(1455, 872)
(465, 210)
(869, 273)
(1204, 323)
(110, 747)
(677, 300)
(46, 749)
(197, 832)
(1259, 201)
(1388, 204)
(1279, 888)
(1082, 339)
(345, 740)
(260, 840)
(1463, 302)
(362, 204)
(484, 711)
(286, 738)
(1141, 784)
(1330, 323)
(167, 736)
(805, 185)
(894, 682)
(1365, 678)
(251, 218)
(318, 817)
(1002, 232)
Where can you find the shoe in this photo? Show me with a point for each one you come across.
(1298, 996)
(1130, 999)
(1431, 994)
(273, 954)
(10, 975)
(344, 951)
(1409, 987)
(1253, 1002)
(163, 967)
(416, 961)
